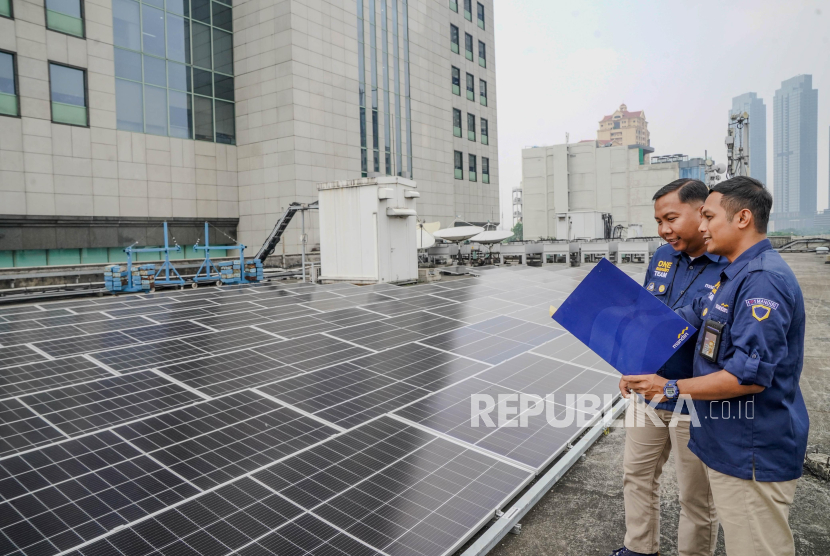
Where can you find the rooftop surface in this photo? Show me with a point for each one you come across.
(583, 514)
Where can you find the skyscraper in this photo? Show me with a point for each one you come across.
(137, 111)
(795, 137)
(757, 110)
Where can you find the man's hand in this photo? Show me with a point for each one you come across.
(624, 387)
(649, 386)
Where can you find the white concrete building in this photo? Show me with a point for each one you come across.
(117, 114)
(575, 178)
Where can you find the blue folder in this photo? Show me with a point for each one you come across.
(622, 322)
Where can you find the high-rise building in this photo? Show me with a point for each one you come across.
(757, 110)
(624, 128)
(118, 114)
(795, 139)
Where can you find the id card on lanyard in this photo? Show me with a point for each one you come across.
(710, 345)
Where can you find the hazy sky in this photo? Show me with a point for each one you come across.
(561, 66)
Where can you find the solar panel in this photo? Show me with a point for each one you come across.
(18, 355)
(103, 403)
(319, 419)
(84, 344)
(228, 372)
(226, 438)
(147, 356)
(40, 334)
(45, 375)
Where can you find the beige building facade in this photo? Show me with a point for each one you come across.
(562, 179)
(279, 95)
(624, 128)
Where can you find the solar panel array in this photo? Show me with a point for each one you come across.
(284, 418)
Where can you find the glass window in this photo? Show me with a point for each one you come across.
(471, 127)
(222, 16)
(472, 170)
(454, 6)
(6, 8)
(484, 132)
(174, 68)
(129, 109)
(468, 10)
(456, 122)
(155, 71)
(203, 112)
(456, 81)
(178, 38)
(152, 31)
(471, 92)
(482, 91)
(155, 110)
(481, 15)
(482, 55)
(8, 85)
(181, 115)
(468, 46)
(225, 132)
(454, 38)
(68, 93)
(459, 165)
(485, 170)
(223, 51)
(65, 16)
(126, 24)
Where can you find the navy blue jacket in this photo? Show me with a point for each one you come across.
(759, 303)
(676, 280)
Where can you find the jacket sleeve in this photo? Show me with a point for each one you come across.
(692, 313)
(762, 314)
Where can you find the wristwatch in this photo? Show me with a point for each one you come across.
(670, 390)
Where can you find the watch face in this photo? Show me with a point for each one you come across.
(671, 391)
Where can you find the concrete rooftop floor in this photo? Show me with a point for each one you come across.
(583, 514)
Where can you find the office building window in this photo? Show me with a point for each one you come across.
(468, 10)
(454, 38)
(6, 8)
(482, 92)
(459, 165)
(468, 46)
(471, 127)
(174, 69)
(484, 132)
(456, 81)
(481, 15)
(485, 170)
(68, 93)
(65, 16)
(454, 6)
(472, 170)
(8, 85)
(471, 81)
(456, 122)
(482, 55)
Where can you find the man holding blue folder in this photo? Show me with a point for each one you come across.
(747, 365)
(679, 272)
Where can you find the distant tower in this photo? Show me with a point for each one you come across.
(624, 128)
(795, 139)
(757, 110)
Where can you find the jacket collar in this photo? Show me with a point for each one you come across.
(738, 264)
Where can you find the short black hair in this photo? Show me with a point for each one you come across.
(743, 192)
(688, 190)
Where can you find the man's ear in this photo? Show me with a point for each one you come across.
(744, 218)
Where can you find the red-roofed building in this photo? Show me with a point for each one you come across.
(624, 128)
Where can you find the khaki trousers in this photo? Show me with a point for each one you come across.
(647, 447)
(754, 515)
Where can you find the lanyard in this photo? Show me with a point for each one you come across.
(682, 293)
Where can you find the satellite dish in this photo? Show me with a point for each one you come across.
(423, 238)
(458, 234)
(719, 168)
(493, 236)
